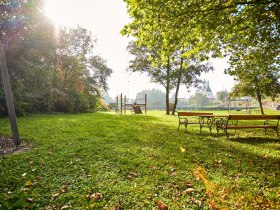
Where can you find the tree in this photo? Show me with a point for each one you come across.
(178, 70)
(146, 60)
(48, 73)
(26, 35)
(188, 73)
(155, 97)
(257, 74)
(223, 27)
(198, 99)
(80, 74)
(222, 96)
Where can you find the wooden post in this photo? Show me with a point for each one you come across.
(124, 111)
(121, 104)
(9, 97)
(145, 103)
(117, 104)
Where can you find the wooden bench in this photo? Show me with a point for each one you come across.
(183, 119)
(231, 122)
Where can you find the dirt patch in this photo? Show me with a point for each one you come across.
(7, 146)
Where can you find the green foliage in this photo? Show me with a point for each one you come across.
(200, 99)
(134, 161)
(223, 96)
(155, 97)
(257, 74)
(50, 70)
(178, 69)
(237, 29)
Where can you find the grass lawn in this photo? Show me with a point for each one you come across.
(111, 161)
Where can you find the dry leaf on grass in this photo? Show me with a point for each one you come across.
(188, 184)
(27, 184)
(132, 175)
(64, 207)
(264, 156)
(161, 205)
(189, 190)
(95, 196)
(197, 202)
(29, 200)
(64, 188)
(54, 196)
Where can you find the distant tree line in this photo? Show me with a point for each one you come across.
(51, 69)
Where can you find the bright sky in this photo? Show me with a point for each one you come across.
(106, 18)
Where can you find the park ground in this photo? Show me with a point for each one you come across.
(111, 161)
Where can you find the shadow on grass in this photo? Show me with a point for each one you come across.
(112, 154)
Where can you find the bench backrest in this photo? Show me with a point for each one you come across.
(193, 113)
(254, 117)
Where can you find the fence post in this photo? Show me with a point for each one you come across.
(145, 103)
(121, 104)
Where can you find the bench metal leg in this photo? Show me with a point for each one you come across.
(226, 133)
(276, 129)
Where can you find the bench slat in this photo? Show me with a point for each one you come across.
(249, 126)
(254, 117)
(192, 113)
(224, 125)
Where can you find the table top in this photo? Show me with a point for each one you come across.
(213, 116)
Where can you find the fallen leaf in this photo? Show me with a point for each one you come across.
(117, 207)
(64, 188)
(133, 174)
(95, 196)
(25, 189)
(54, 196)
(197, 202)
(211, 205)
(189, 190)
(29, 200)
(27, 184)
(182, 149)
(161, 205)
(188, 184)
(264, 156)
(64, 207)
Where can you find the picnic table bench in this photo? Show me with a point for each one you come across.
(184, 119)
(231, 122)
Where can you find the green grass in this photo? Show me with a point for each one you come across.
(135, 161)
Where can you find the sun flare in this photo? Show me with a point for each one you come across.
(61, 12)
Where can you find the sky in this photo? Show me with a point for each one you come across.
(106, 18)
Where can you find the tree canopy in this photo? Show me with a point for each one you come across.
(50, 69)
(233, 28)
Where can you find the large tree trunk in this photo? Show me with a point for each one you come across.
(167, 87)
(177, 87)
(259, 99)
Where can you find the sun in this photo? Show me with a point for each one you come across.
(62, 12)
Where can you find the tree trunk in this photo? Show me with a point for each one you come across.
(177, 87)
(167, 88)
(9, 97)
(259, 98)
